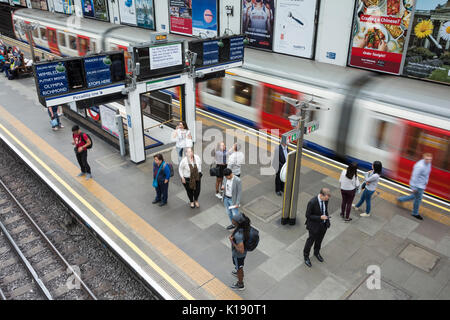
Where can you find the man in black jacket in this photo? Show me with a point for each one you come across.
(317, 223)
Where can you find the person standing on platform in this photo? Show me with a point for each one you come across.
(161, 176)
(81, 142)
(281, 152)
(349, 184)
(190, 170)
(418, 183)
(221, 164)
(236, 159)
(232, 188)
(183, 138)
(317, 223)
(54, 117)
(370, 184)
(238, 252)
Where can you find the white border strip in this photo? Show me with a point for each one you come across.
(97, 229)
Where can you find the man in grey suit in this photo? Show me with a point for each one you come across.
(232, 188)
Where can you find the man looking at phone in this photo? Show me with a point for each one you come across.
(232, 188)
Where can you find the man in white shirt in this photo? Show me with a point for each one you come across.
(232, 188)
(235, 160)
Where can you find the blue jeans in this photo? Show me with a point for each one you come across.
(366, 196)
(180, 154)
(228, 203)
(417, 197)
(161, 191)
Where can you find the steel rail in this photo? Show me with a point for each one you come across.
(2, 295)
(50, 244)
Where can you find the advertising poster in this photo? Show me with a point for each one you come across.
(145, 14)
(204, 17)
(127, 10)
(257, 22)
(295, 27)
(428, 54)
(181, 16)
(379, 32)
(67, 6)
(101, 10)
(88, 8)
(108, 120)
(58, 5)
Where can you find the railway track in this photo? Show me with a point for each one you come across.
(48, 274)
(46, 253)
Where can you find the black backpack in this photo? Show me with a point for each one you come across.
(82, 138)
(253, 239)
(170, 167)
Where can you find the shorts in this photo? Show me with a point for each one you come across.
(221, 167)
(238, 262)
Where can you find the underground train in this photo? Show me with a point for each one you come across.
(371, 117)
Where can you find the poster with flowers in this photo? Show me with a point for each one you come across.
(428, 54)
(380, 28)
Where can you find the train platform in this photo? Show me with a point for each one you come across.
(186, 252)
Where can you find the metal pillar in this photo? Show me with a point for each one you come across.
(118, 121)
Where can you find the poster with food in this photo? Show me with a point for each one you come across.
(257, 22)
(428, 54)
(380, 28)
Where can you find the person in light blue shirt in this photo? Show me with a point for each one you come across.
(418, 183)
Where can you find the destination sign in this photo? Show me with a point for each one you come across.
(237, 48)
(98, 71)
(210, 52)
(52, 79)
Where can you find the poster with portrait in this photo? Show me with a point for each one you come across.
(204, 18)
(181, 16)
(127, 10)
(295, 27)
(58, 6)
(88, 8)
(380, 28)
(428, 53)
(145, 14)
(257, 22)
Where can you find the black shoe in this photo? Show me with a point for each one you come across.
(231, 226)
(238, 286)
(308, 262)
(155, 201)
(279, 193)
(162, 204)
(418, 216)
(348, 219)
(319, 257)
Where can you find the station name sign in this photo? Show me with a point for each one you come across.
(71, 76)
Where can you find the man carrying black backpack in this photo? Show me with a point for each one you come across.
(244, 238)
(82, 142)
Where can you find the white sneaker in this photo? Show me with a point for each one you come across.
(354, 207)
(218, 195)
(365, 214)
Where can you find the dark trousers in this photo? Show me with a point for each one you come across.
(347, 199)
(161, 191)
(279, 185)
(315, 238)
(192, 194)
(82, 161)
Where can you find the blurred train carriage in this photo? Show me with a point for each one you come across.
(392, 119)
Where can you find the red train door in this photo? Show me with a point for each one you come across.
(26, 35)
(126, 56)
(83, 45)
(53, 41)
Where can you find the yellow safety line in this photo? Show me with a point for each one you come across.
(318, 159)
(102, 218)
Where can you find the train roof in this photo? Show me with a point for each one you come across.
(423, 96)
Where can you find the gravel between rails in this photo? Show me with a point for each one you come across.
(105, 275)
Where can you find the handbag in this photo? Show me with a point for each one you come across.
(363, 186)
(213, 171)
(283, 172)
(155, 180)
(54, 122)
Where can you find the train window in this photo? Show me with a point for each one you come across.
(419, 141)
(214, 86)
(43, 34)
(275, 105)
(93, 46)
(35, 33)
(72, 43)
(62, 39)
(382, 135)
(243, 93)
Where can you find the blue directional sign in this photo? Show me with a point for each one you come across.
(210, 52)
(237, 48)
(98, 71)
(52, 79)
